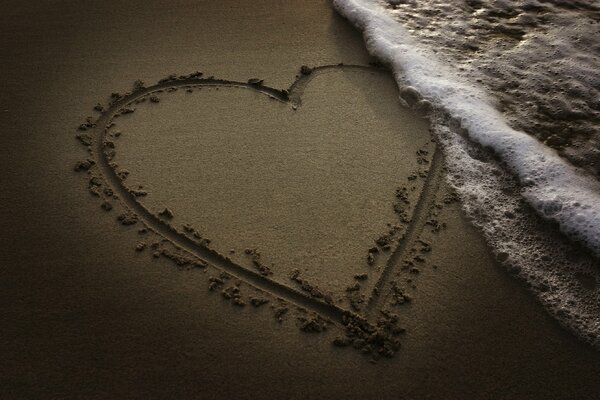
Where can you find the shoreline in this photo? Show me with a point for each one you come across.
(85, 315)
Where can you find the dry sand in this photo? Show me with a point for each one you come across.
(84, 315)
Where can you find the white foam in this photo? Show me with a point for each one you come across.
(564, 279)
(556, 189)
(552, 268)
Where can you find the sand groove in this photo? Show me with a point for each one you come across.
(218, 260)
(418, 220)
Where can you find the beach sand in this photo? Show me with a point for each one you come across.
(310, 182)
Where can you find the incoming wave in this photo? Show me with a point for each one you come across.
(498, 193)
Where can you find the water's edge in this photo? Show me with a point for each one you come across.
(500, 195)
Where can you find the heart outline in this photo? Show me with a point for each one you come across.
(222, 262)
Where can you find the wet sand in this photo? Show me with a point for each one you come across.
(84, 315)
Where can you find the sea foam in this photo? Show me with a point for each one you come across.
(556, 189)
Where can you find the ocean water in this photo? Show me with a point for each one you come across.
(513, 90)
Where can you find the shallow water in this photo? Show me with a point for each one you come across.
(539, 62)
(513, 88)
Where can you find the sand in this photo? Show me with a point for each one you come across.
(309, 184)
(97, 304)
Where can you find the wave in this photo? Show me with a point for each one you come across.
(493, 192)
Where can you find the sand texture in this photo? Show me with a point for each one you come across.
(257, 229)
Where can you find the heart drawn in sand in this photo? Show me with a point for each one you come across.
(309, 194)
